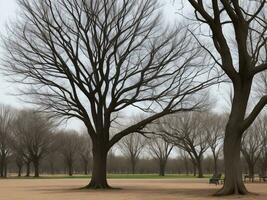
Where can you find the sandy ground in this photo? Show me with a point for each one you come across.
(68, 189)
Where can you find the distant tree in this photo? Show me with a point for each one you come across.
(251, 148)
(95, 59)
(85, 151)
(214, 126)
(131, 146)
(186, 131)
(6, 124)
(185, 158)
(69, 147)
(160, 150)
(33, 134)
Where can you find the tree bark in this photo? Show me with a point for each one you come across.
(28, 169)
(133, 166)
(233, 176)
(215, 160)
(36, 168)
(70, 168)
(251, 170)
(2, 166)
(199, 168)
(162, 167)
(99, 173)
(19, 171)
(86, 167)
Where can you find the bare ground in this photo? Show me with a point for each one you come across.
(68, 189)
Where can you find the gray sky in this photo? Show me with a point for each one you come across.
(8, 11)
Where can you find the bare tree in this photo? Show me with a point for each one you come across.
(185, 158)
(251, 147)
(214, 126)
(187, 132)
(6, 121)
(238, 32)
(160, 150)
(33, 134)
(85, 151)
(95, 59)
(69, 148)
(131, 146)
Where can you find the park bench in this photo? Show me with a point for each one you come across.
(216, 179)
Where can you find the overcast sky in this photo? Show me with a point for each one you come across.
(8, 10)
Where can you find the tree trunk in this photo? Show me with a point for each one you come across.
(251, 170)
(199, 168)
(233, 176)
(99, 173)
(28, 169)
(215, 160)
(85, 167)
(5, 171)
(194, 169)
(70, 169)
(162, 166)
(133, 166)
(52, 169)
(36, 168)
(2, 166)
(19, 170)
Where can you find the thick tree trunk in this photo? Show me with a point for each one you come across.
(99, 173)
(233, 183)
(36, 168)
(199, 168)
(233, 176)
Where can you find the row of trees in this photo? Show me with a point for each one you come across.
(96, 60)
(29, 137)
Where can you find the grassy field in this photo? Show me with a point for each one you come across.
(114, 176)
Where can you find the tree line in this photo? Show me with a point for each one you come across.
(99, 60)
(188, 142)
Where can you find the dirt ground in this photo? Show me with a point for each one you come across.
(68, 189)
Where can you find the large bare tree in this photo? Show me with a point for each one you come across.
(237, 30)
(131, 146)
(95, 60)
(33, 134)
